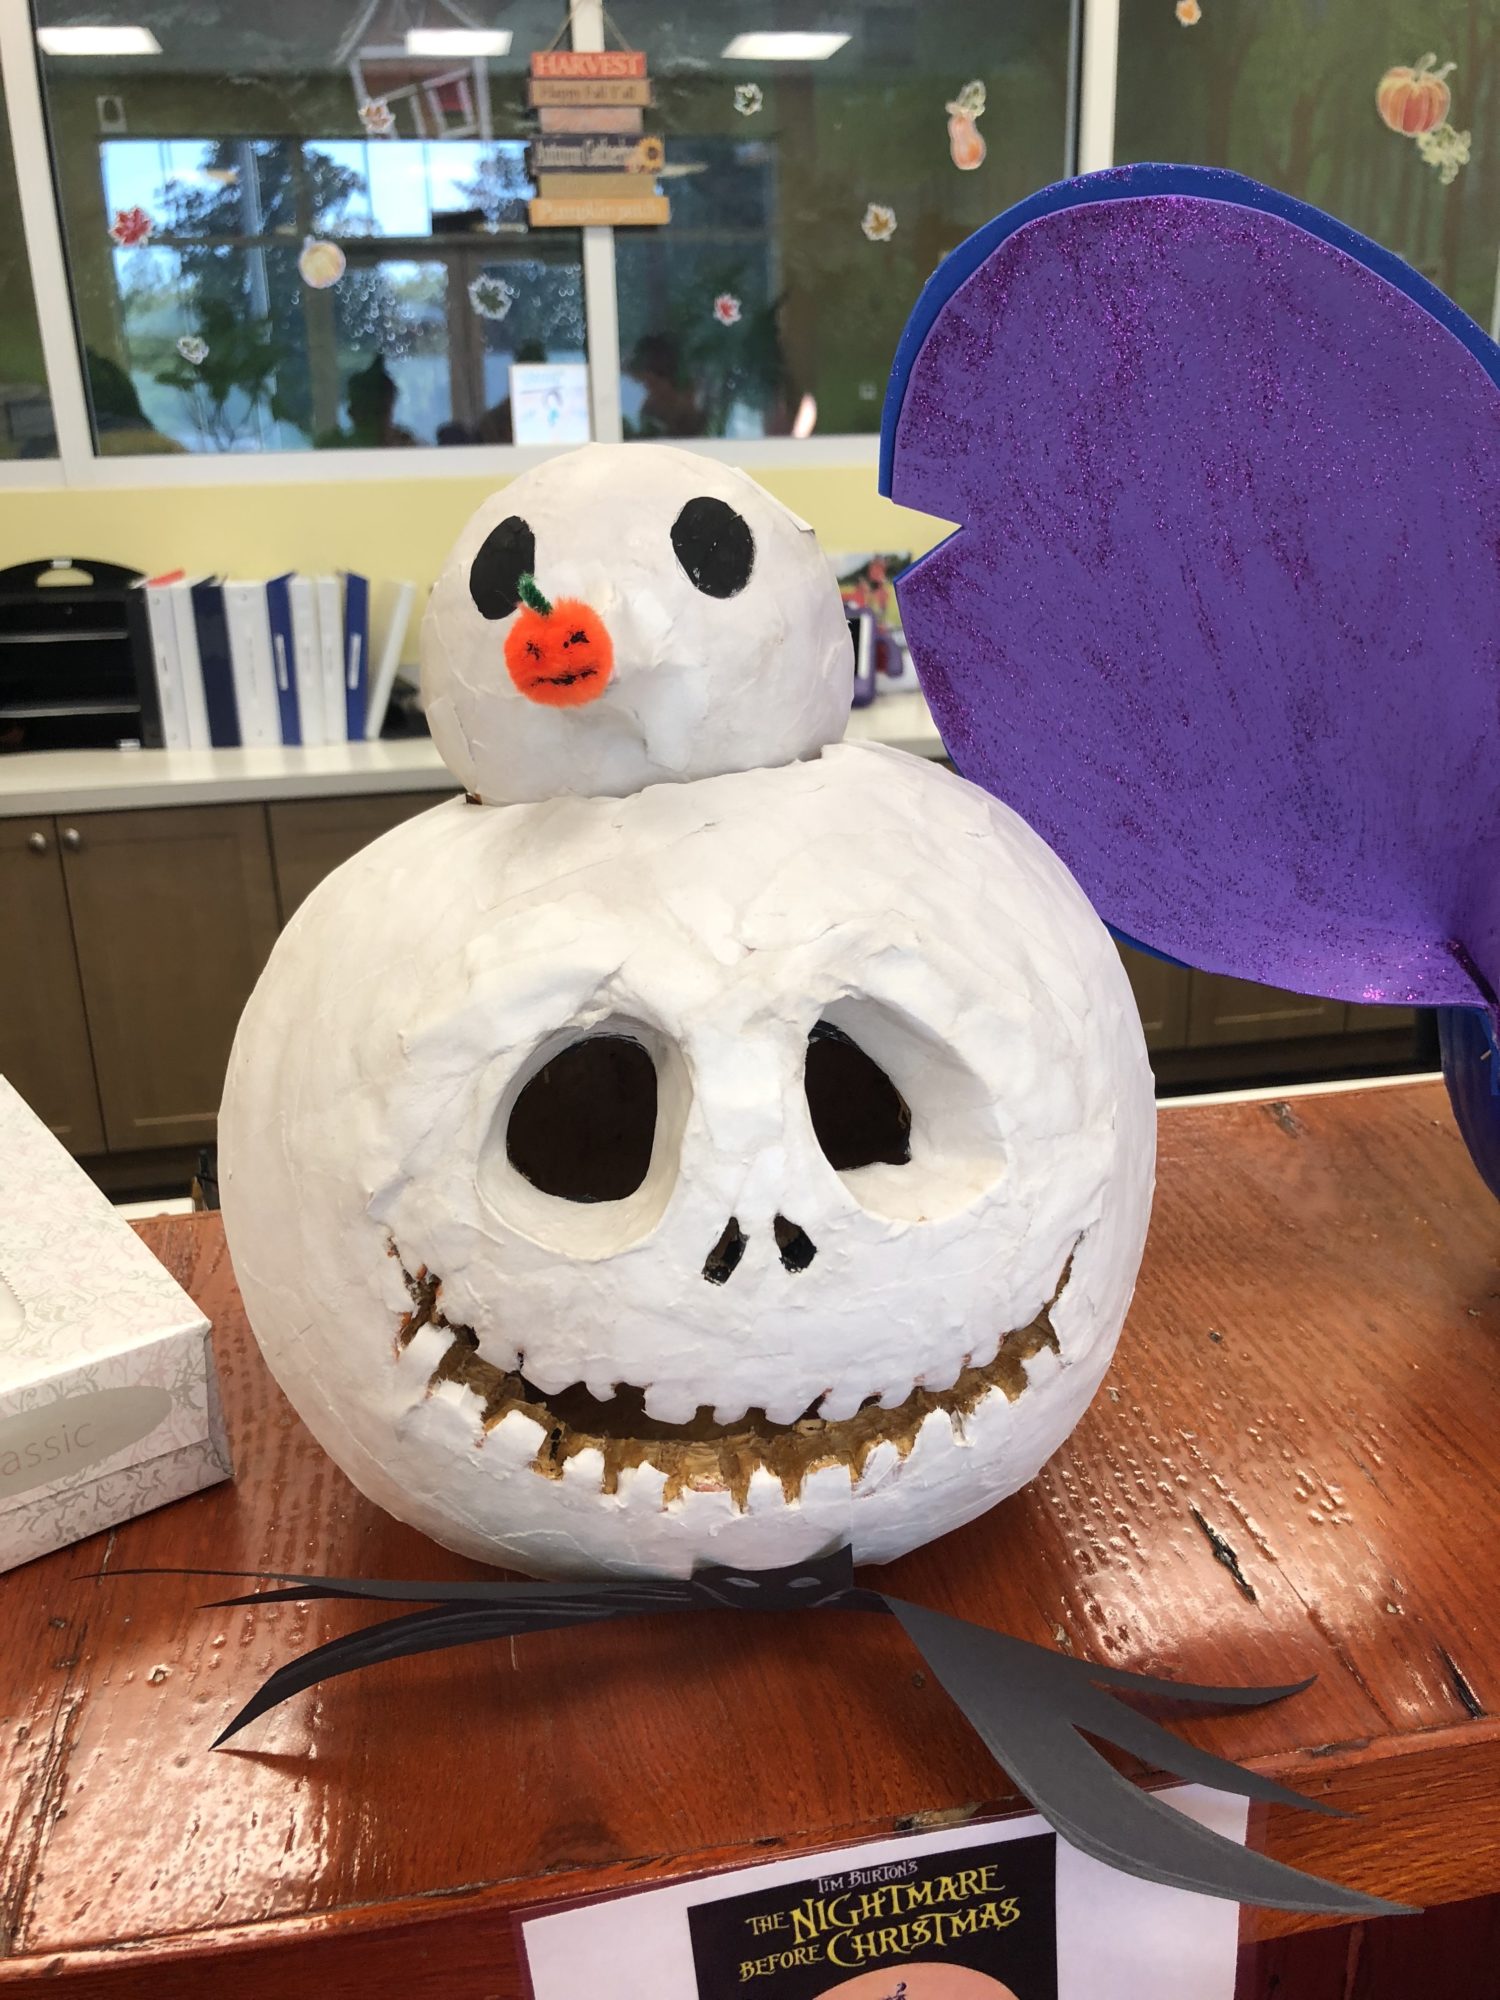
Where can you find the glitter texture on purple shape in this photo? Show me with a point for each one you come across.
(1222, 615)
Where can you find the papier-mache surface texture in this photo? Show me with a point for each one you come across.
(109, 1404)
(709, 1155)
(948, 1312)
(758, 1151)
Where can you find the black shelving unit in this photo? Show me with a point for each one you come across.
(69, 672)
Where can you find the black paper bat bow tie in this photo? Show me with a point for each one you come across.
(1029, 1705)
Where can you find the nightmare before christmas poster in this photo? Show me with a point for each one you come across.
(1083, 1930)
(976, 1923)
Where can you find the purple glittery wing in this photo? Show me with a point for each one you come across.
(1222, 615)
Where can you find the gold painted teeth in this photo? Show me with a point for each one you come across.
(719, 1458)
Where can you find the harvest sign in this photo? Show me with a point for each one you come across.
(592, 162)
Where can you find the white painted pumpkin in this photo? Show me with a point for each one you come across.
(704, 1174)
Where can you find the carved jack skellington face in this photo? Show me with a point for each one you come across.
(629, 615)
(710, 1174)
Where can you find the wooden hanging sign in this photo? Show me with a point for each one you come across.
(637, 212)
(622, 120)
(579, 65)
(590, 152)
(593, 187)
(592, 164)
(588, 90)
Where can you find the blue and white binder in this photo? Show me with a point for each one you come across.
(284, 656)
(331, 648)
(307, 653)
(179, 595)
(251, 662)
(156, 635)
(356, 653)
(218, 671)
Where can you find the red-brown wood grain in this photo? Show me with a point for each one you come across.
(1291, 1469)
(1448, 1953)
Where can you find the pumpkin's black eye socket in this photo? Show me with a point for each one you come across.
(508, 554)
(583, 1127)
(858, 1115)
(714, 546)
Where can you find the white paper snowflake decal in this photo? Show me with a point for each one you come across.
(879, 222)
(727, 309)
(377, 118)
(491, 298)
(193, 349)
(1446, 150)
(748, 98)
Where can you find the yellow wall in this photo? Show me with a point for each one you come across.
(386, 528)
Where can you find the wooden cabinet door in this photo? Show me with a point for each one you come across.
(1224, 1011)
(174, 914)
(1366, 1017)
(1161, 993)
(44, 1036)
(312, 837)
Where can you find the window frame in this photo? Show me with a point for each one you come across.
(1088, 145)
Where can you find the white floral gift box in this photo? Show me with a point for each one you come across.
(109, 1405)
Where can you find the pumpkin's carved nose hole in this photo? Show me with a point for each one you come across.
(796, 1246)
(723, 1260)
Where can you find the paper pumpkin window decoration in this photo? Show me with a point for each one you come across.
(965, 142)
(1225, 474)
(1415, 100)
(722, 1143)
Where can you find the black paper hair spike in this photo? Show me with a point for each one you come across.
(389, 1590)
(1090, 1708)
(427, 1631)
(1032, 1732)
(1029, 1706)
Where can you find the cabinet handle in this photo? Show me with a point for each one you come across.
(72, 839)
(37, 842)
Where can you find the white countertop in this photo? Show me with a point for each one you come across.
(901, 720)
(68, 781)
(64, 781)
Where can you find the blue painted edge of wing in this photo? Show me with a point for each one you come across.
(1471, 1071)
(1132, 183)
(1146, 950)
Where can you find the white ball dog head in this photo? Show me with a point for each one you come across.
(679, 623)
(707, 1175)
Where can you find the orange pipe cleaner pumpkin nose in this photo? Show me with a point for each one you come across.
(558, 654)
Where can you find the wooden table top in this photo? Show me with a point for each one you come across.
(1291, 1469)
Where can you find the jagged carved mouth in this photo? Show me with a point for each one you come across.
(702, 1453)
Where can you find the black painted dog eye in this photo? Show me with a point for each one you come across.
(714, 546)
(508, 554)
